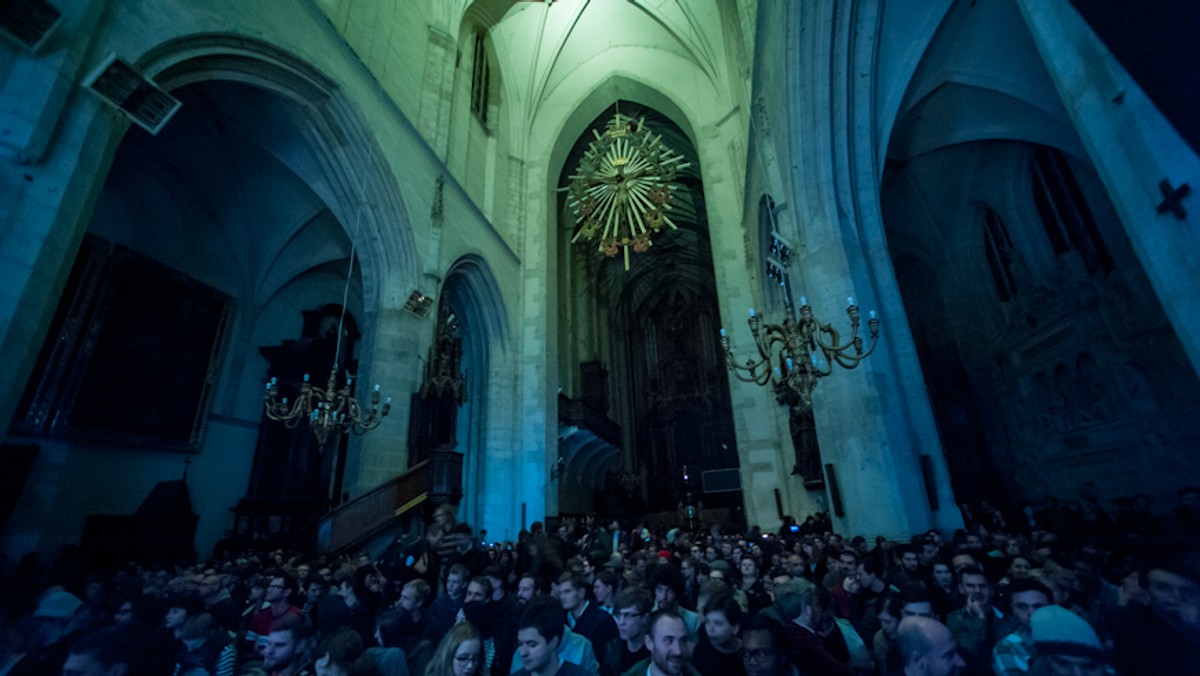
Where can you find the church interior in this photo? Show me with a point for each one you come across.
(876, 259)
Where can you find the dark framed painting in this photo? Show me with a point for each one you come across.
(132, 354)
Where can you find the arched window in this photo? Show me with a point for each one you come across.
(999, 249)
(480, 81)
(1064, 212)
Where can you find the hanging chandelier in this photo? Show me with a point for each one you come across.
(795, 355)
(621, 192)
(332, 410)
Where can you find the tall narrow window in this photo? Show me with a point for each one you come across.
(775, 253)
(999, 250)
(480, 77)
(1065, 215)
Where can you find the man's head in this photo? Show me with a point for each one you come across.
(478, 589)
(795, 565)
(605, 587)
(927, 648)
(668, 586)
(748, 567)
(528, 587)
(722, 620)
(209, 588)
(667, 641)
(336, 654)
(413, 596)
(496, 575)
(1027, 596)
(572, 592)
(909, 559)
(318, 587)
(915, 601)
(942, 575)
(1174, 589)
(180, 608)
(286, 643)
(456, 581)
(539, 631)
(764, 647)
(960, 561)
(929, 552)
(849, 561)
(974, 586)
(280, 588)
(802, 602)
(108, 652)
(631, 609)
(868, 571)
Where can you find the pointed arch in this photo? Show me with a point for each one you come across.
(353, 171)
(471, 293)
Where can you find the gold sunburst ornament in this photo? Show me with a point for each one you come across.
(621, 192)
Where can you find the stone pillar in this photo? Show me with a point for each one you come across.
(537, 354)
(1133, 147)
(874, 422)
(437, 91)
(397, 343)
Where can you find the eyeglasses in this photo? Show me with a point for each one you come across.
(468, 659)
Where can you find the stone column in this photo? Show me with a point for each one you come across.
(537, 354)
(397, 342)
(874, 422)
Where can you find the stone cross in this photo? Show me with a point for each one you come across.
(1173, 199)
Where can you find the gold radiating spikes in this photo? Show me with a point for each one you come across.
(620, 191)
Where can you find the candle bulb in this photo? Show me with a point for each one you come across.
(871, 314)
(803, 300)
(751, 312)
(376, 387)
(778, 373)
(722, 333)
(306, 377)
(789, 363)
(850, 300)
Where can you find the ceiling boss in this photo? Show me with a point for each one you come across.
(621, 191)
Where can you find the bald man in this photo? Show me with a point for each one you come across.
(928, 648)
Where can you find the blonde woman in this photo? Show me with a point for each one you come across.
(459, 654)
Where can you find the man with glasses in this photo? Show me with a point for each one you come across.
(631, 610)
(764, 648)
(279, 591)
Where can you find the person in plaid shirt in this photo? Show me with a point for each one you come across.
(1013, 652)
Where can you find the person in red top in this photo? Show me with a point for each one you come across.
(279, 593)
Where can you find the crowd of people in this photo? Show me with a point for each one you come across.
(607, 597)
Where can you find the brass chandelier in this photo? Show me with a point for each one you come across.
(621, 192)
(332, 409)
(795, 355)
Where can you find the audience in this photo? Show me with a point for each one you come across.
(1003, 595)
